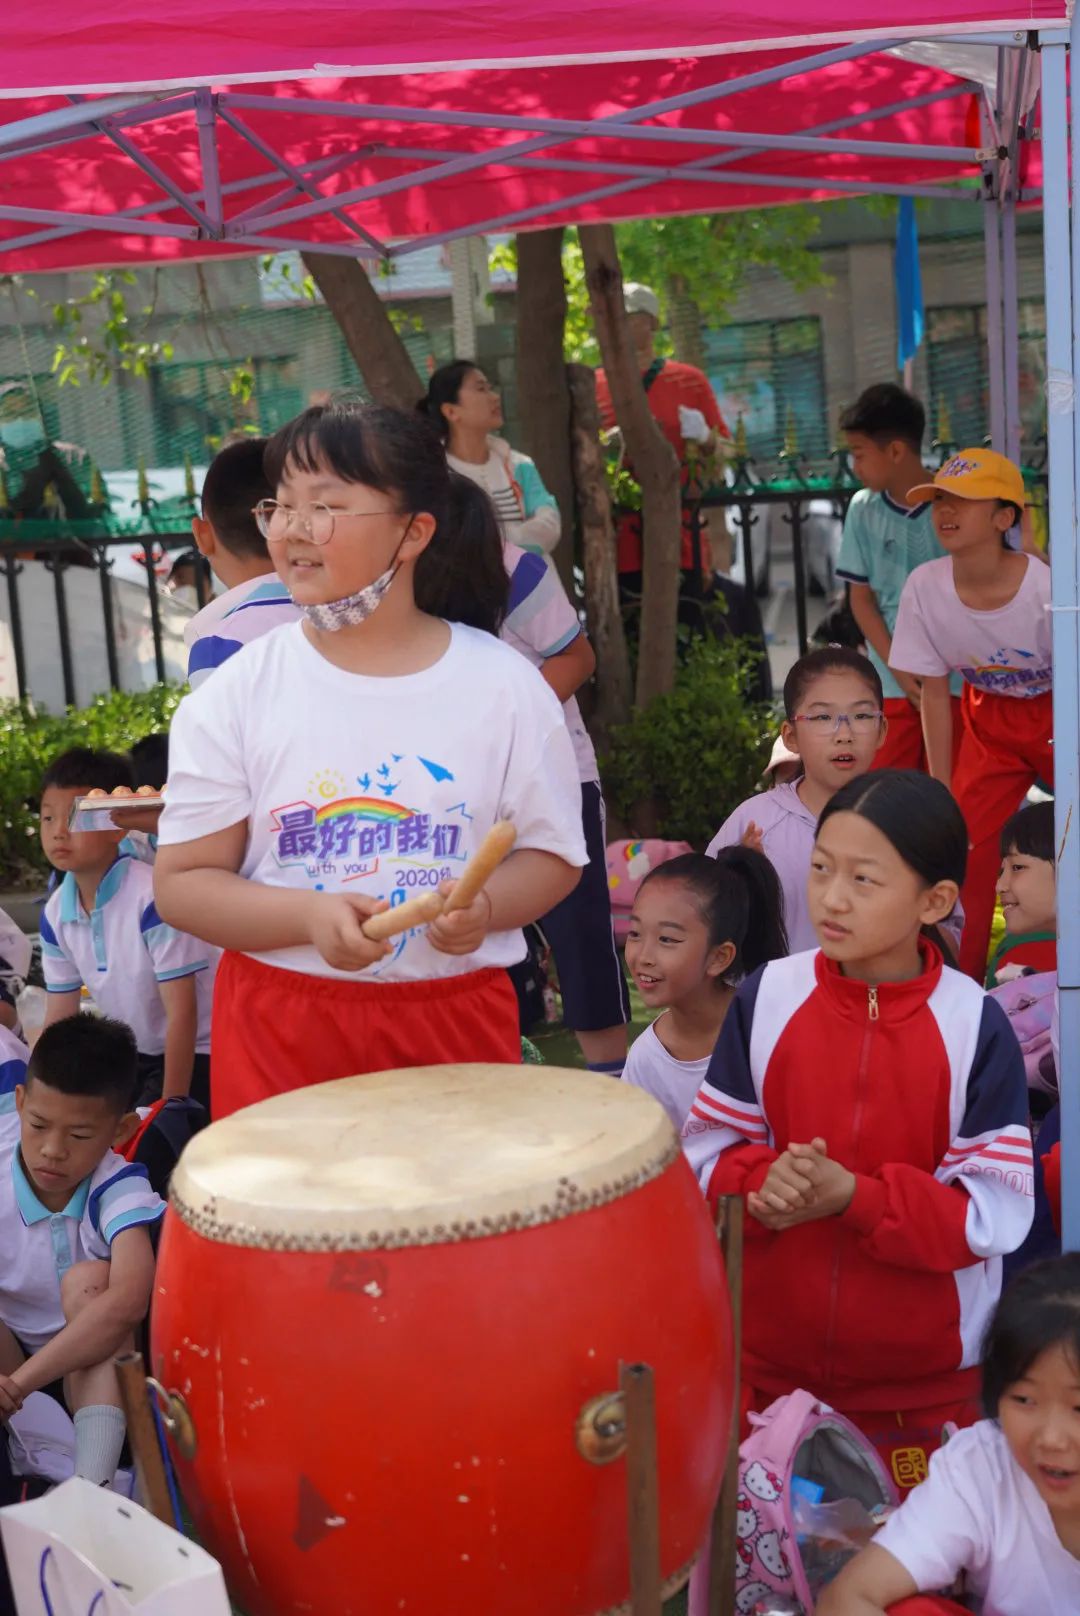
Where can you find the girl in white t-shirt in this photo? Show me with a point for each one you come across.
(698, 926)
(1001, 1505)
(357, 758)
(983, 611)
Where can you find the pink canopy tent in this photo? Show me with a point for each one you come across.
(132, 132)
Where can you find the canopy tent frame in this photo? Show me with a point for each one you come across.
(297, 197)
(262, 226)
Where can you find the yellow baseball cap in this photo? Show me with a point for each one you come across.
(976, 474)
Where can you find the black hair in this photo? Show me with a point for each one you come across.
(444, 387)
(91, 1057)
(461, 575)
(919, 817)
(741, 902)
(1017, 517)
(82, 766)
(234, 484)
(1038, 1309)
(886, 413)
(150, 759)
(830, 659)
(1030, 831)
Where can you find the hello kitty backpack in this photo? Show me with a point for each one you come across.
(801, 1440)
(628, 863)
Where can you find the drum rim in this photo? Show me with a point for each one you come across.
(199, 1199)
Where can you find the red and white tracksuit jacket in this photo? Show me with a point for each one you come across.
(916, 1087)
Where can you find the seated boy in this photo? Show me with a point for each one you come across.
(100, 930)
(76, 1260)
(885, 538)
(255, 599)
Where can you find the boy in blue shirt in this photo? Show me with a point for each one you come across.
(100, 929)
(76, 1260)
(885, 539)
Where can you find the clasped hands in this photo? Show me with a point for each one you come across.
(802, 1185)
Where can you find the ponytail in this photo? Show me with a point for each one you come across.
(462, 575)
(766, 936)
(741, 902)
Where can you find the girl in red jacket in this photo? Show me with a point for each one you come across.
(871, 1106)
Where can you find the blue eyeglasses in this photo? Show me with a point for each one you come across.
(860, 723)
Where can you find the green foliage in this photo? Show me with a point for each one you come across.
(695, 753)
(706, 258)
(29, 740)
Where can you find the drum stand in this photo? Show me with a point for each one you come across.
(642, 1491)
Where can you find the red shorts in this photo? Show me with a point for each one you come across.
(275, 1030)
(904, 746)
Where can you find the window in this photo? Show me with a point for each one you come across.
(958, 366)
(772, 373)
(194, 407)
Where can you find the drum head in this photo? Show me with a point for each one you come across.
(420, 1157)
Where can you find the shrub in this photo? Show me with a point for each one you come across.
(29, 740)
(679, 768)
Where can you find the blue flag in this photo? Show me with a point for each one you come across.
(909, 300)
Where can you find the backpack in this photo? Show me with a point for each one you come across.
(628, 863)
(799, 1456)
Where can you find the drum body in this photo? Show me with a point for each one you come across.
(393, 1422)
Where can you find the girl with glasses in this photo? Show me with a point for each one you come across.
(354, 760)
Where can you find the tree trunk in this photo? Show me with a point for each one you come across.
(380, 354)
(655, 465)
(684, 320)
(614, 689)
(543, 395)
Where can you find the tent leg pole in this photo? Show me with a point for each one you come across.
(1061, 270)
(1010, 304)
(995, 357)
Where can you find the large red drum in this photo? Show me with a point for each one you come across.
(387, 1305)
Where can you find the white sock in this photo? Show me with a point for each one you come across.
(99, 1437)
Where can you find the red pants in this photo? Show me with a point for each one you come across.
(927, 1605)
(276, 1030)
(905, 1442)
(1006, 746)
(904, 745)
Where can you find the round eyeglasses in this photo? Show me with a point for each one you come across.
(315, 522)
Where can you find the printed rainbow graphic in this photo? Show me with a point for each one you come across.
(364, 808)
(631, 851)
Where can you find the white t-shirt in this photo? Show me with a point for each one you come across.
(1006, 652)
(39, 1246)
(122, 950)
(977, 1512)
(674, 1083)
(379, 786)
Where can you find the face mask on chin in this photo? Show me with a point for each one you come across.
(25, 434)
(331, 615)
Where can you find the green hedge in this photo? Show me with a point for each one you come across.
(30, 740)
(678, 769)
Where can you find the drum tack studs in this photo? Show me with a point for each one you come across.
(600, 1433)
(176, 1418)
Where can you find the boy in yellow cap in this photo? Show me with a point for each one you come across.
(981, 610)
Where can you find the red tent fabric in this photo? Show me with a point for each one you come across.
(387, 95)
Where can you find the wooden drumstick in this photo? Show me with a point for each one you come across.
(413, 912)
(489, 855)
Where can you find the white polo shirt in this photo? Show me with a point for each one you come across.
(122, 950)
(40, 1246)
(13, 1058)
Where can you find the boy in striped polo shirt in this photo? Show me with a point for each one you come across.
(255, 599)
(76, 1261)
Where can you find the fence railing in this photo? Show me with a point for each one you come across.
(69, 626)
